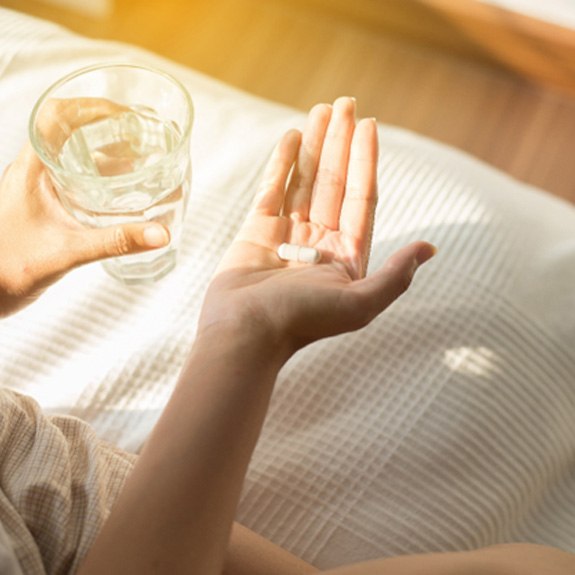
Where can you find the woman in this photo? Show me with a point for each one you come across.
(175, 511)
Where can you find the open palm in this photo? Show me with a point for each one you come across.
(319, 190)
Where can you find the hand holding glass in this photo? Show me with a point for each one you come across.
(115, 139)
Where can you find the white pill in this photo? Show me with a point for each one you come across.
(296, 253)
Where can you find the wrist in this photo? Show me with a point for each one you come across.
(246, 336)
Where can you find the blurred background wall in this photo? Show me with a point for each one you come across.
(495, 78)
(97, 8)
(561, 12)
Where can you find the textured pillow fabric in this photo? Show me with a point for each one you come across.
(448, 423)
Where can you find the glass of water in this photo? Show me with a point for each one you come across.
(116, 141)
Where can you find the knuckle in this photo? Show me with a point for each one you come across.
(52, 107)
(356, 192)
(21, 280)
(400, 276)
(118, 244)
(329, 178)
(405, 280)
(268, 185)
(51, 111)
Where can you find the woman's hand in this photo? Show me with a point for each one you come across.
(319, 190)
(40, 241)
(177, 508)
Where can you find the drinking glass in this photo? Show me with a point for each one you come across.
(115, 139)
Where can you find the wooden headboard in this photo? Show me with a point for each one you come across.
(538, 50)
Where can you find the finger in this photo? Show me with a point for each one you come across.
(27, 162)
(331, 174)
(97, 244)
(57, 118)
(270, 197)
(360, 198)
(383, 287)
(29, 186)
(298, 197)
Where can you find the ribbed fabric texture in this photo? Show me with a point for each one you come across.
(449, 423)
(58, 482)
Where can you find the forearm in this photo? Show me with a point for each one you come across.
(504, 559)
(176, 511)
(250, 554)
(429, 564)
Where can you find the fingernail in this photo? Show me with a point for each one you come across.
(156, 236)
(345, 101)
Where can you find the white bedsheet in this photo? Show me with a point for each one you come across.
(449, 423)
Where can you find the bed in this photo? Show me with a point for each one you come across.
(449, 423)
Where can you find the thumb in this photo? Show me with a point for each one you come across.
(383, 287)
(97, 244)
